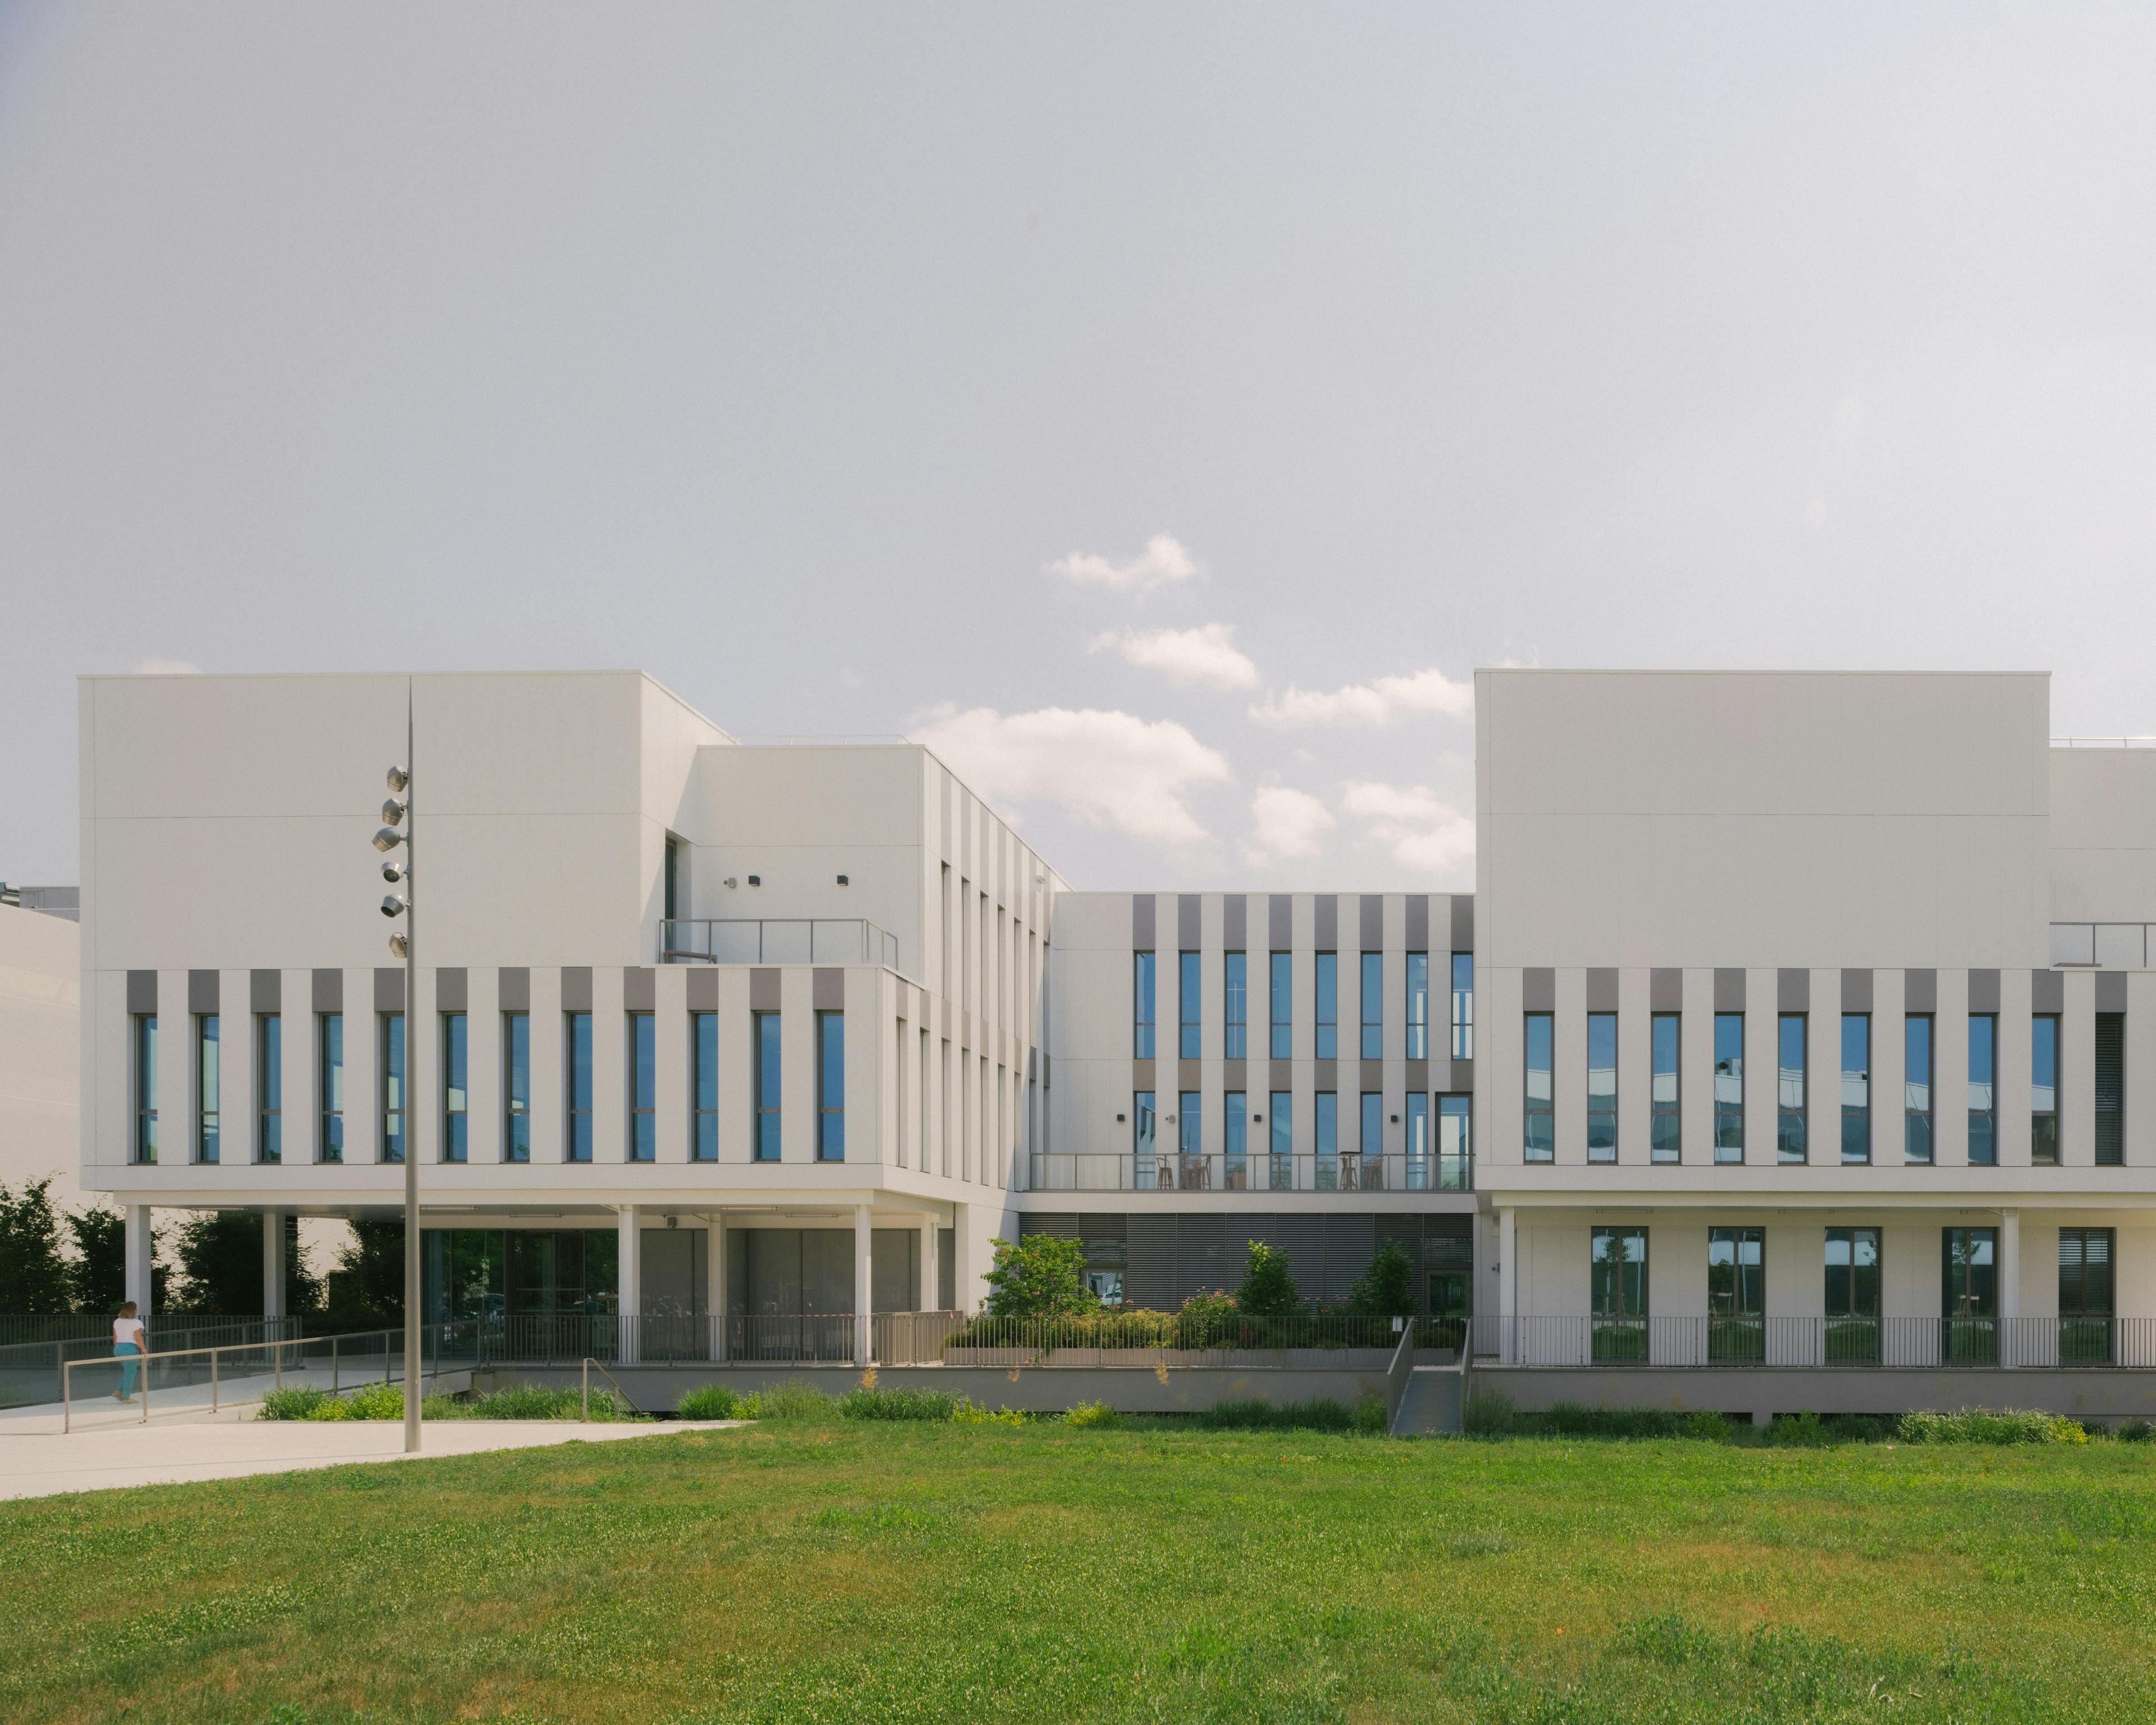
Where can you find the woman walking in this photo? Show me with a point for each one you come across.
(127, 1345)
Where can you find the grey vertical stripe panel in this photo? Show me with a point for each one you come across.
(388, 990)
(1920, 991)
(1857, 991)
(2111, 991)
(577, 987)
(1141, 934)
(265, 990)
(1983, 991)
(141, 991)
(1728, 989)
(1463, 921)
(1373, 1079)
(703, 989)
(1461, 1079)
(1373, 926)
(452, 990)
(513, 984)
(1418, 934)
(763, 992)
(1280, 921)
(1666, 989)
(1539, 989)
(1282, 1075)
(639, 988)
(329, 991)
(1417, 1075)
(1189, 1074)
(201, 990)
(1793, 990)
(1601, 989)
(1189, 920)
(1235, 921)
(828, 989)
(1328, 921)
(1142, 1076)
(2047, 991)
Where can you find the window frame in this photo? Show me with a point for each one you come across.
(1665, 1118)
(269, 1089)
(1456, 1168)
(1793, 1119)
(1327, 999)
(1279, 1004)
(1857, 1117)
(831, 1086)
(144, 1064)
(766, 1078)
(393, 1081)
(642, 1048)
(1417, 1005)
(1372, 999)
(516, 1086)
(1189, 1006)
(1145, 1139)
(1463, 1006)
(578, 1142)
(704, 1090)
(1602, 1105)
(1280, 1141)
(2044, 1027)
(208, 1089)
(1144, 1001)
(1919, 1129)
(454, 1053)
(1984, 1122)
(1728, 1138)
(1325, 1140)
(1541, 1109)
(2108, 1102)
(329, 1093)
(1235, 1005)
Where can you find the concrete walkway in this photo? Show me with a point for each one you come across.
(232, 1445)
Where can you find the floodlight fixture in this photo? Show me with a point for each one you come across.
(392, 812)
(388, 839)
(393, 905)
(398, 778)
(399, 947)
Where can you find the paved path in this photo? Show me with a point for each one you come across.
(232, 1445)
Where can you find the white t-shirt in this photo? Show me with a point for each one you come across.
(127, 1329)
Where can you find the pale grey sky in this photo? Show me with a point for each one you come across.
(1162, 407)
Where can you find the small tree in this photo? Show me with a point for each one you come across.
(100, 1269)
(35, 1277)
(220, 1254)
(1039, 1276)
(1386, 1286)
(1268, 1289)
(366, 1290)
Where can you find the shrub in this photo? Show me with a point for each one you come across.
(298, 1402)
(897, 1404)
(1041, 1276)
(2136, 1432)
(1989, 1425)
(370, 1401)
(788, 1400)
(1386, 1286)
(1373, 1418)
(1098, 1415)
(1489, 1413)
(966, 1411)
(1706, 1423)
(710, 1401)
(1268, 1289)
(534, 1401)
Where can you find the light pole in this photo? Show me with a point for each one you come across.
(404, 944)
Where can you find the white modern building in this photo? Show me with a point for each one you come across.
(40, 1033)
(1791, 1020)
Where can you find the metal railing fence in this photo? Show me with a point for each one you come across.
(896, 1338)
(769, 940)
(30, 1372)
(1257, 1171)
(1891, 1343)
(2102, 946)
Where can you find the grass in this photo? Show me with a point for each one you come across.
(814, 1568)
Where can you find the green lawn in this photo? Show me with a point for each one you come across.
(886, 1571)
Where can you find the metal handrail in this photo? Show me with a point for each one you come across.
(1397, 1375)
(1172, 1170)
(588, 1363)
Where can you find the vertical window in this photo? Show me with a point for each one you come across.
(1418, 1142)
(1666, 1134)
(764, 1033)
(1983, 1092)
(643, 1087)
(1373, 1143)
(1541, 1139)
(1280, 1171)
(1281, 1004)
(1455, 1143)
(145, 1087)
(207, 1148)
(1234, 1137)
(677, 894)
(1463, 1006)
(2110, 1089)
(329, 1143)
(1417, 1006)
(456, 1144)
(1145, 1158)
(1971, 1306)
(1602, 1086)
(1736, 1294)
(1189, 1115)
(1792, 1141)
(1916, 1087)
(1852, 1294)
(579, 1029)
(1328, 1006)
(1373, 1006)
(391, 1085)
(1142, 1005)
(269, 1088)
(516, 1086)
(1235, 1007)
(1328, 1140)
(2044, 1090)
(1855, 1087)
(831, 1087)
(1617, 1288)
(704, 1096)
(1729, 1087)
(2086, 1296)
(1187, 1002)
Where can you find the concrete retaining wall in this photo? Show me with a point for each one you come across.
(2083, 1392)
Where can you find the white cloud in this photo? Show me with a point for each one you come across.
(1163, 560)
(165, 668)
(1285, 823)
(1423, 831)
(1112, 769)
(1374, 703)
(1203, 657)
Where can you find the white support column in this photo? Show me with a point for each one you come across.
(138, 1255)
(1508, 1282)
(273, 1264)
(932, 1272)
(628, 1233)
(863, 1242)
(2009, 1285)
(715, 1280)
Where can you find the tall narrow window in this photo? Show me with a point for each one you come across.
(704, 1101)
(269, 1088)
(1328, 1006)
(1187, 1005)
(1418, 1142)
(1279, 1000)
(1328, 1145)
(2044, 1090)
(2110, 1089)
(1455, 1143)
(1970, 1307)
(1417, 1006)
(516, 1086)
(1729, 1087)
(1373, 1006)
(2088, 1295)
(1279, 1161)
(1145, 1147)
(1792, 1139)
(1463, 1006)
(456, 1143)
(1235, 1007)
(329, 1142)
(1372, 1143)
(831, 1087)
(1190, 1118)
(1736, 1294)
(1855, 1087)
(391, 1086)
(1982, 1092)
(643, 1087)
(145, 1087)
(207, 1118)
(1602, 1086)
(1852, 1294)
(1916, 1087)
(1142, 1006)
(764, 1033)
(677, 883)
(1235, 1138)
(1541, 1139)
(1617, 1290)
(579, 1037)
(1665, 1127)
